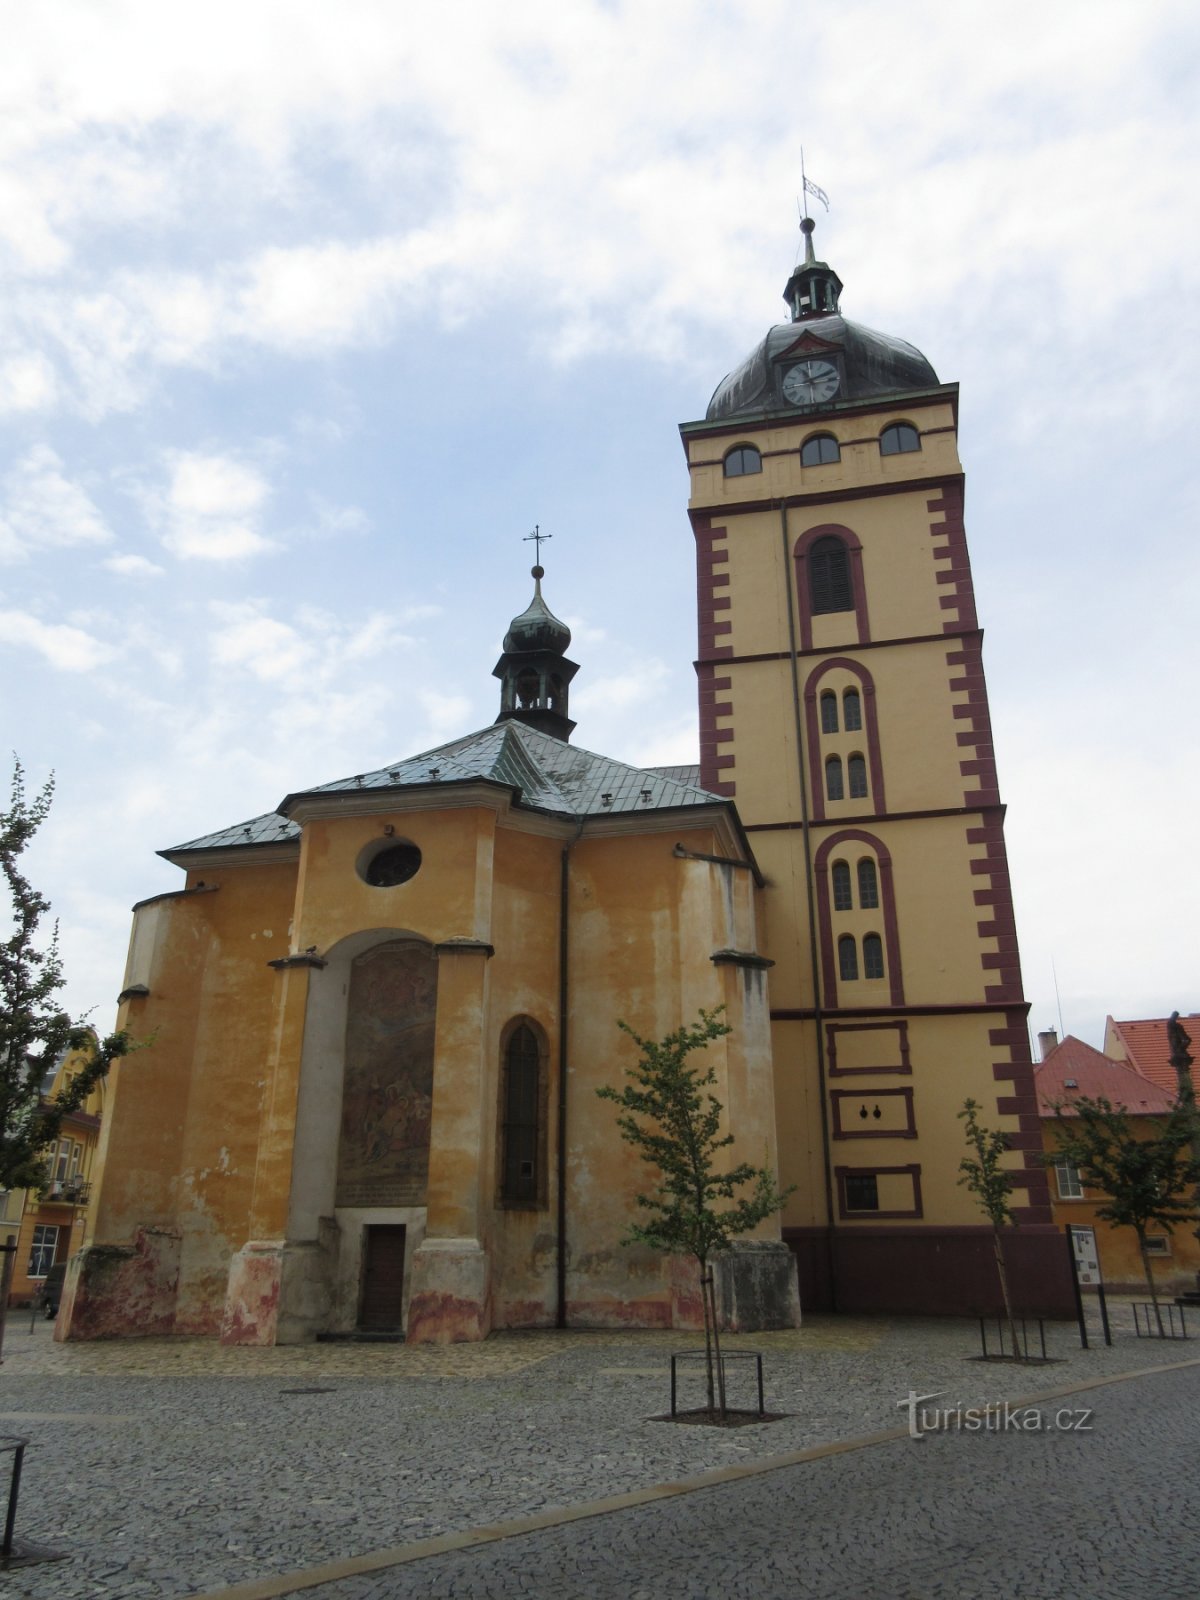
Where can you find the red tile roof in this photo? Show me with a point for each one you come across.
(1073, 1068)
(1149, 1052)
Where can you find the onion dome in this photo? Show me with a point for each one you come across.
(537, 628)
(534, 671)
(868, 364)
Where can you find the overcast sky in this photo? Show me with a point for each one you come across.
(310, 312)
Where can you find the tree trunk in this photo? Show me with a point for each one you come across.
(1148, 1269)
(717, 1345)
(1002, 1270)
(709, 1330)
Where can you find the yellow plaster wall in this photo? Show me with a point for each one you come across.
(861, 465)
(439, 902)
(180, 1152)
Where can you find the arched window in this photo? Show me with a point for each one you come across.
(742, 460)
(829, 712)
(868, 884)
(829, 576)
(834, 787)
(847, 959)
(842, 898)
(856, 769)
(852, 710)
(872, 956)
(521, 1152)
(898, 438)
(820, 450)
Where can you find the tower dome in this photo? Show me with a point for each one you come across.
(534, 671)
(864, 363)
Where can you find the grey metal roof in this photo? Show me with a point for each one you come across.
(268, 829)
(546, 774)
(875, 364)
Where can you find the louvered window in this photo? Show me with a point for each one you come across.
(872, 956)
(829, 712)
(856, 769)
(852, 710)
(842, 898)
(868, 884)
(834, 787)
(847, 959)
(829, 576)
(521, 1103)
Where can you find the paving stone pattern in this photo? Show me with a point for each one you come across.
(169, 1468)
(1101, 1515)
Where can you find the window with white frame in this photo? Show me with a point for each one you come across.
(41, 1256)
(1066, 1175)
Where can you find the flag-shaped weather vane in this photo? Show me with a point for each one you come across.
(807, 187)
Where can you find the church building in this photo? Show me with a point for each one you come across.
(381, 1012)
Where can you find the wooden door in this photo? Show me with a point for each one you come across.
(383, 1277)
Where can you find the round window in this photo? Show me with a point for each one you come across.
(395, 863)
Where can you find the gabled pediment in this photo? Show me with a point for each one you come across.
(810, 344)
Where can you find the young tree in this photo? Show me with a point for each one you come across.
(35, 1033)
(990, 1181)
(669, 1115)
(1148, 1177)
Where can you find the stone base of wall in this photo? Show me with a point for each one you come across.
(279, 1292)
(450, 1300)
(122, 1291)
(756, 1287)
(931, 1271)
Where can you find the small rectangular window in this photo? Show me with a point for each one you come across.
(1066, 1175)
(862, 1191)
(41, 1256)
(1158, 1244)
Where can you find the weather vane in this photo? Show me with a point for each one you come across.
(537, 536)
(807, 188)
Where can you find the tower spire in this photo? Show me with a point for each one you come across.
(533, 670)
(814, 288)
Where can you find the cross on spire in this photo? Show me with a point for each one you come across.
(537, 536)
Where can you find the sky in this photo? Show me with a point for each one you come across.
(310, 313)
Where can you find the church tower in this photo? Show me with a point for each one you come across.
(843, 707)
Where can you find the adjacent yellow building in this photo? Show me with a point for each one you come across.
(381, 1012)
(48, 1224)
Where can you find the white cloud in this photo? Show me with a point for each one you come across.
(42, 508)
(66, 648)
(270, 650)
(27, 383)
(132, 566)
(210, 508)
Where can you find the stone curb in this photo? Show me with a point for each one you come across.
(419, 1550)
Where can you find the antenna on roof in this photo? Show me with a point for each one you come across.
(1062, 1032)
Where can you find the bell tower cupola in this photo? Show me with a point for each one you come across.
(814, 287)
(534, 671)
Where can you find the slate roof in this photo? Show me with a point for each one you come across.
(1073, 1068)
(544, 773)
(1149, 1049)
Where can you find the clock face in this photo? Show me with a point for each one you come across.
(809, 382)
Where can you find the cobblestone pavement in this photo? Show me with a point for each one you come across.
(1096, 1515)
(166, 1469)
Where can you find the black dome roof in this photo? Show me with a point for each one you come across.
(873, 363)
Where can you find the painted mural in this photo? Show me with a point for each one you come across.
(383, 1156)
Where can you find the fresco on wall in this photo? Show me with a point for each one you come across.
(383, 1156)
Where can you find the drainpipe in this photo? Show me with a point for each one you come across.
(560, 1320)
(806, 835)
